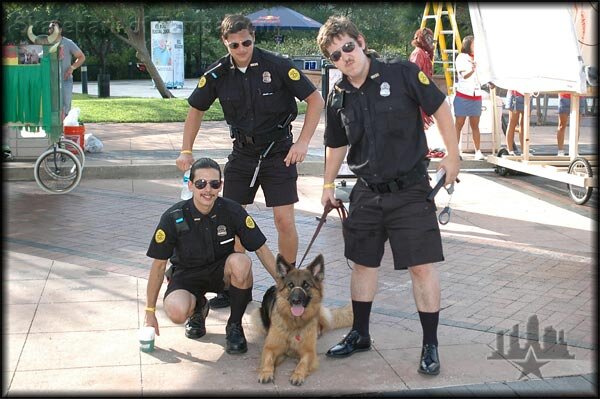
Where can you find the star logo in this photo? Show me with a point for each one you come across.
(531, 365)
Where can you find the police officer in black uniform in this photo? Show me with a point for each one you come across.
(257, 91)
(198, 235)
(374, 111)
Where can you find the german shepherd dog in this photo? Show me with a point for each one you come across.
(292, 314)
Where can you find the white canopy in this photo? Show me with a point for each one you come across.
(527, 48)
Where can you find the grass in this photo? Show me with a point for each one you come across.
(140, 110)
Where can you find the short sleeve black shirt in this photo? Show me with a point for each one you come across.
(255, 101)
(381, 122)
(210, 238)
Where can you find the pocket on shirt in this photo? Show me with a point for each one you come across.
(352, 126)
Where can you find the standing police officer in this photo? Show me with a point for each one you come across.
(374, 110)
(257, 92)
(198, 236)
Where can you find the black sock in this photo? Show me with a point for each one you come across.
(238, 299)
(362, 311)
(199, 303)
(429, 322)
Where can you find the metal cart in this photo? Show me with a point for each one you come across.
(33, 102)
(578, 172)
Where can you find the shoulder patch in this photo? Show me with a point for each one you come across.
(250, 222)
(423, 78)
(202, 82)
(294, 74)
(160, 236)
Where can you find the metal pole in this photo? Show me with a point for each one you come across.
(84, 88)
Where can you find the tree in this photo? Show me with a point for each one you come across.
(128, 24)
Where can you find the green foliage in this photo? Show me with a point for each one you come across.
(140, 110)
(388, 27)
(136, 110)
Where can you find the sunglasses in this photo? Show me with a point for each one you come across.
(235, 45)
(214, 184)
(346, 48)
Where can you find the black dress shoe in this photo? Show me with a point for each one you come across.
(220, 301)
(195, 326)
(236, 341)
(430, 360)
(353, 342)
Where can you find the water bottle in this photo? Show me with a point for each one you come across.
(185, 191)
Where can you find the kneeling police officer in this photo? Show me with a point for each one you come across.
(197, 236)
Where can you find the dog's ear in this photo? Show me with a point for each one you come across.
(317, 267)
(283, 268)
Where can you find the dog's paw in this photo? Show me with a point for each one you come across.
(265, 378)
(297, 379)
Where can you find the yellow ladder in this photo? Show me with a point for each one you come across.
(444, 17)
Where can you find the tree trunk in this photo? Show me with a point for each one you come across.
(136, 38)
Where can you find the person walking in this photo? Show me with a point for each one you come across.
(422, 56)
(373, 110)
(257, 91)
(467, 101)
(68, 51)
(197, 236)
(564, 109)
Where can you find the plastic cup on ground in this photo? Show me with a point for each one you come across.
(146, 337)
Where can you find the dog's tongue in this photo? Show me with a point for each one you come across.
(297, 310)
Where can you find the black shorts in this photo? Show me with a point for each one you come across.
(278, 181)
(405, 217)
(198, 282)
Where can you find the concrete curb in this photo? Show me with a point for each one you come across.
(166, 169)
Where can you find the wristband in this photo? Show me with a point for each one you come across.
(148, 309)
(186, 152)
(329, 185)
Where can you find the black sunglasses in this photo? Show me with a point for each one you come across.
(346, 48)
(235, 45)
(214, 184)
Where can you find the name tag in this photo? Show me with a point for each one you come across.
(226, 241)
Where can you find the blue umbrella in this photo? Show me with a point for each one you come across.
(281, 18)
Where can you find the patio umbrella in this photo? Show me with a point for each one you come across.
(282, 18)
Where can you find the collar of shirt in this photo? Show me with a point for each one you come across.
(374, 75)
(197, 215)
(254, 61)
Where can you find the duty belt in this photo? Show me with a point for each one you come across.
(274, 135)
(418, 173)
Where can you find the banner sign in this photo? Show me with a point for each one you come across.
(167, 51)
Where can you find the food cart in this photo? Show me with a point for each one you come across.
(33, 103)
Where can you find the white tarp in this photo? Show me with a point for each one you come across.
(528, 48)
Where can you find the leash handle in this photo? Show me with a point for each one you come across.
(342, 212)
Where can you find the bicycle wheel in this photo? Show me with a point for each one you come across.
(74, 148)
(580, 167)
(57, 171)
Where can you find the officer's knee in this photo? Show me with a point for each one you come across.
(422, 272)
(239, 267)
(176, 314)
(285, 224)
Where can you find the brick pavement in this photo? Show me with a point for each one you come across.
(502, 266)
(515, 247)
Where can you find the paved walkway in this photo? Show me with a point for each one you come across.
(518, 289)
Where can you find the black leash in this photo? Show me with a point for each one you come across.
(342, 212)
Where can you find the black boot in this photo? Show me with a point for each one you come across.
(353, 342)
(430, 360)
(221, 300)
(195, 326)
(236, 341)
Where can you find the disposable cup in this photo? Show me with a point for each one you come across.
(146, 337)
